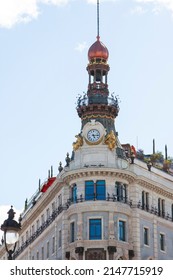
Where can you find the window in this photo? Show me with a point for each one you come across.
(95, 190)
(121, 191)
(72, 231)
(145, 200)
(38, 224)
(37, 255)
(53, 207)
(100, 190)
(162, 242)
(42, 219)
(53, 244)
(47, 213)
(33, 229)
(42, 253)
(47, 249)
(74, 193)
(161, 207)
(89, 190)
(27, 235)
(95, 231)
(122, 226)
(22, 240)
(60, 239)
(146, 236)
(60, 200)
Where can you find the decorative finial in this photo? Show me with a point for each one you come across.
(166, 152)
(60, 168)
(39, 184)
(67, 159)
(98, 19)
(51, 171)
(154, 151)
(26, 204)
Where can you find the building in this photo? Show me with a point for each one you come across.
(105, 203)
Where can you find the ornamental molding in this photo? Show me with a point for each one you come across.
(154, 186)
(100, 206)
(83, 173)
(125, 175)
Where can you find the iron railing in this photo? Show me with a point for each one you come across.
(81, 199)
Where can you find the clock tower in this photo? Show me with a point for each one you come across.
(97, 109)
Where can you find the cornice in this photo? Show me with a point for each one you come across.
(126, 175)
(84, 173)
(154, 186)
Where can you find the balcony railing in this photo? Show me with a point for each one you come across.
(97, 99)
(154, 210)
(81, 199)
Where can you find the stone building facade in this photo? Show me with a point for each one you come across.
(105, 203)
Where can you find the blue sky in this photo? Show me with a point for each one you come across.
(43, 59)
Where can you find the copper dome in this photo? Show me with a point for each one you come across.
(98, 50)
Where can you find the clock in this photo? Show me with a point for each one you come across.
(93, 135)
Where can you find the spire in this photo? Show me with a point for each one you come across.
(98, 19)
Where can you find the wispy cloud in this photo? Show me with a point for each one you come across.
(13, 12)
(158, 4)
(138, 10)
(17, 11)
(3, 216)
(81, 47)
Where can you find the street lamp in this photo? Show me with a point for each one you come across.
(11, 235)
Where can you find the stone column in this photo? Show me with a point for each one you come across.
(135, 226)
(65, 236)
(79, 227)
(155, 241)
(111, 226)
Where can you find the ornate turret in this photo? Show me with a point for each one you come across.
(97, 104)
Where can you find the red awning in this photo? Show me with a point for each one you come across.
(47, 184)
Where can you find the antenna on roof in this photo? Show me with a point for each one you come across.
(98, 19)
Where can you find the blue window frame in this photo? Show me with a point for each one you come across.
(95, 231)
(122, 229)
(74, 193)
(89, 190)
(95, 191)
(100, 190)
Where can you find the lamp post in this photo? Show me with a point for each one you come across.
(11, 235)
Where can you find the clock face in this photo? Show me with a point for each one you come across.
(93, 135)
